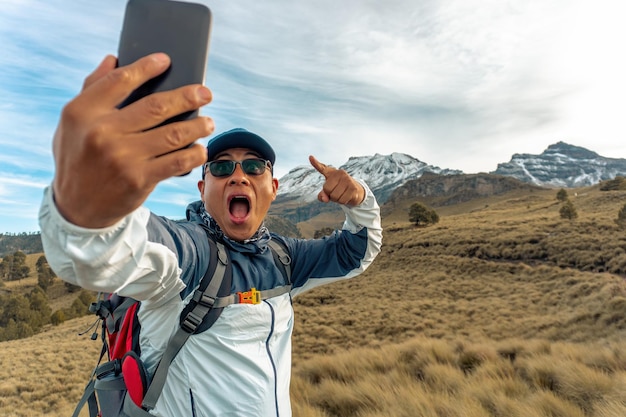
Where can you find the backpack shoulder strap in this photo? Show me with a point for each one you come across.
(200, 314)
(194, 317)
(281, 258)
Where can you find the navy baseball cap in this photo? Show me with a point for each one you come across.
(240, 138)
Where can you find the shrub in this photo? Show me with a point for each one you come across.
(562, 195)
(568, 211)
(58, 317)
(422, 215)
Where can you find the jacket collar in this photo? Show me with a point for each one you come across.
(256, 244)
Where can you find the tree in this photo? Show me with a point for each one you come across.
(44, 279)
(16, 308)
(422, 215)
(561, 195)
(45, 274)
(13, 267)
(22, 316)
(40, 308)
(20, 257)
(568, 211)
(41, 263)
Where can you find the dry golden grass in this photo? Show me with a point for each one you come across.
(46, 374)
(428, 377)
(502, 309)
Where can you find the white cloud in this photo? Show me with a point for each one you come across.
(9, 181)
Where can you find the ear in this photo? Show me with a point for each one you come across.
(274, 188)
(201, 187)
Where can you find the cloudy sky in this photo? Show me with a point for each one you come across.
(458, 84)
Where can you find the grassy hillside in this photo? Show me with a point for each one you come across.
(26, 242)
(502, 309)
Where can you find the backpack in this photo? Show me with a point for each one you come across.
(121, 386)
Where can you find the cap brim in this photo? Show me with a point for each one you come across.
(240, 138)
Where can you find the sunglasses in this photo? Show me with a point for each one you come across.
(226, 167)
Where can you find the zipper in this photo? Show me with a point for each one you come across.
(271, 358)
(193, 403)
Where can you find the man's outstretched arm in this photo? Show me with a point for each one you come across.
(108, 160)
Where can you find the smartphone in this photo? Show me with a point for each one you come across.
(181, 30)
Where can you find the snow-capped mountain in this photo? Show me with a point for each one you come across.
(562, 165)
(382, 173)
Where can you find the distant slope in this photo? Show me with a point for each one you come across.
(25, 242)
(446, 190)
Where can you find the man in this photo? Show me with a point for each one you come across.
(97, 235)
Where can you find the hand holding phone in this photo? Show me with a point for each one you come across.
(179, 29)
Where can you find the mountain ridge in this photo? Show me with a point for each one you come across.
(446, 190)
(562, 165)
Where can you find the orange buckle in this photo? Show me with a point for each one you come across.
(249, 297)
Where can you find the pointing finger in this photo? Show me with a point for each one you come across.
(321, 168)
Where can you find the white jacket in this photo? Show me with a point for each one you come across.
(241, 366)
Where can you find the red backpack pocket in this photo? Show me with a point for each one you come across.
(135, 377)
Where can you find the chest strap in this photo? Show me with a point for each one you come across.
(243, 297)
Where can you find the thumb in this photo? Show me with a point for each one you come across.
(319, 167)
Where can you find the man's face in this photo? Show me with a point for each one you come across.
(240, 201)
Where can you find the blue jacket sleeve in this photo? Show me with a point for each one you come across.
(344, 254)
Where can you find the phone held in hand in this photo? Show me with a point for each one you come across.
(179, 29)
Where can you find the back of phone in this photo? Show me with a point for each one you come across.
(179, 29)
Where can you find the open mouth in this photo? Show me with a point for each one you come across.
(239, 207)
